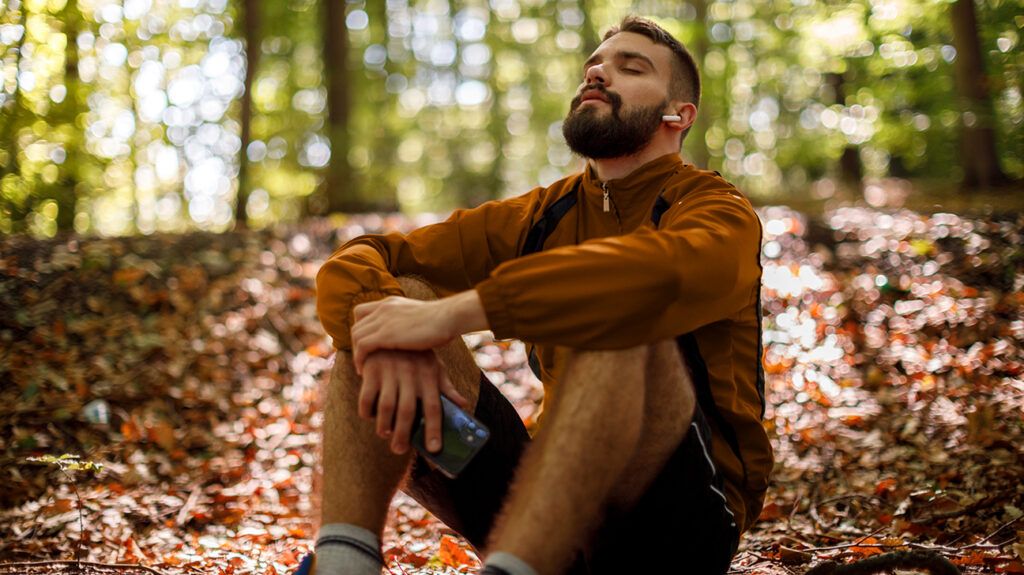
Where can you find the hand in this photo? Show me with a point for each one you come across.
(399, 323)
(394, 381)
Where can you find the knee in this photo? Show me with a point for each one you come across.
(416, 287)
(343, 379)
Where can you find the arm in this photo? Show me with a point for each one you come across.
(452, 256)
(407, 324)
(701, 266)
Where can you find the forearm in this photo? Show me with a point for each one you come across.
(466, 312)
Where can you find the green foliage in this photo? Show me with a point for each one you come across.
(68, 462)
(116, 119)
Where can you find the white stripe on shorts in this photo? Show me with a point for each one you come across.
(704, 448)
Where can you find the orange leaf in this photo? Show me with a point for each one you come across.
(867, 550)
(162, 434)
(975, 558)
(128, 275)
(452, 554)
(885, 485)
(130, 431)
(59, 506)
(771, 511)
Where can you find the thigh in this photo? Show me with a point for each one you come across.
(681, 524)
(470, 503)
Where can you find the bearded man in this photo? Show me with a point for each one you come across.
(636, 287)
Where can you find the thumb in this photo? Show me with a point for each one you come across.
(448, 389)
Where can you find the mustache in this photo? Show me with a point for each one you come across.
(614, 99)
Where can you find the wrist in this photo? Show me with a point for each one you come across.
(466, 313)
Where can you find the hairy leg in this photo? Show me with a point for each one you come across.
(360, 473)
(669, 402)
(614, 421)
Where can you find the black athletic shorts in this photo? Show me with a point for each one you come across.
(681, 525)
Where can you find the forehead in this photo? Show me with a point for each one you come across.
(630, 42)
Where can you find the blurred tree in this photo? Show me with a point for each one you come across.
(978, 120)
(850, 172)
(135, 116)
(15, 193)
(66, 116)
(340, 186)
(696, 143)
(250, 12)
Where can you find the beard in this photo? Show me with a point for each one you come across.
(592, 136)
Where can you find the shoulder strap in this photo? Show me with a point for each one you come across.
(661, 205)
(548, 221)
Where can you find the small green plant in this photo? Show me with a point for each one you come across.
(67, 464)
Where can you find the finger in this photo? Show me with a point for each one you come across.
(363, 348)
(431, 401)
(448, 389)
(364, 309)
(386, 402)
(404, 415)
(369, 390)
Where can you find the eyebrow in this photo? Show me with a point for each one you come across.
(622, 55)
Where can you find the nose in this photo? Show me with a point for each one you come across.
(595, 74)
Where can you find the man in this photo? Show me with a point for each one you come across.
(636, 286)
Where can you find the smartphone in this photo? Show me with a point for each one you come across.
(462, 437)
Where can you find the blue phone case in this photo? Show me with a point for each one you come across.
(462, 437)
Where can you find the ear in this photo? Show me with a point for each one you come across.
(687, 113)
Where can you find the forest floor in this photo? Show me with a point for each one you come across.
(189, 365)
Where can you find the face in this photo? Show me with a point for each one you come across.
(619, 104)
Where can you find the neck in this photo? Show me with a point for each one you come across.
(622, 166)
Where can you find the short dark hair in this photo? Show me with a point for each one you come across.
(685, 83)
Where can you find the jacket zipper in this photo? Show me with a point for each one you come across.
(607, 201)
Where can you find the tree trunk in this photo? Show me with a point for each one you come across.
(67, 112)
(978, 138)
(696, 138)
(10, 133)
(15, 210)
(341, 192)
(590, 37)
(850, 171)
(251, 17)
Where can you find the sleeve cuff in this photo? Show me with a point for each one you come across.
(499, 318)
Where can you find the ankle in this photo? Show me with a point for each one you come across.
(343, 548)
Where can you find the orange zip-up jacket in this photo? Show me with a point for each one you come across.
(606, 279)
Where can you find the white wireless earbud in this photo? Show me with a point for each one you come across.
(671, 118)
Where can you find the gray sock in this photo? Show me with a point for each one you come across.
(508, 563)
(346, 549)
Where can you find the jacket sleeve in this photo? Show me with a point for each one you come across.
(453, 256)
(701, 266)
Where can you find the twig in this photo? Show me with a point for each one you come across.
(193, 497)
(979, 504)
(89, 563)
(857, 543)
(81, 515)
(847, 496)
(936, 548)
(754, 565)
(993, 534)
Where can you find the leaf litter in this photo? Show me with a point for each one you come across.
(188, 367)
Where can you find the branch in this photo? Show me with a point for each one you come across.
(121, 566)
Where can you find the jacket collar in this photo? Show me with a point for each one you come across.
(638, 190)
